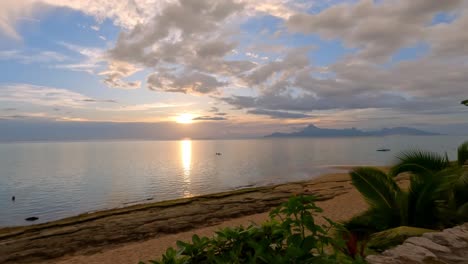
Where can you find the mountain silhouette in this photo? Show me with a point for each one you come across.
(314, 131)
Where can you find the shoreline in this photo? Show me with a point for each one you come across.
(95, 232)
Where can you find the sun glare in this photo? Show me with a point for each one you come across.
(185, 118)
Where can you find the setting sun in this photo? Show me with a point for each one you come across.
(185, 118)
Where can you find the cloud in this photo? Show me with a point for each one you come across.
(41, 95)
(11, 12)
(91, 59)
(209, 118)
(278, 114)
(294, 61)
(214, 109)
(377, 29)
(187, 36)
(198, 47)
(32, 57)
(408, 86)
(186, 82)
(117, 71)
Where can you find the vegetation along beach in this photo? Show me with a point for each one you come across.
(233, 131)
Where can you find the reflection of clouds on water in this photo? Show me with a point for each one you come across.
(186, 157)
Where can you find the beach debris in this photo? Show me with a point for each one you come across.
(218, 153)
(32, 218)
(13, 198)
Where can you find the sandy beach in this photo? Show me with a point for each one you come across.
(143, 232)
(341, 207)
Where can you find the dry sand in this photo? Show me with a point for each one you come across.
(340, 208)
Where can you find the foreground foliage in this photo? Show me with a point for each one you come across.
(290, 236)
(437, 195)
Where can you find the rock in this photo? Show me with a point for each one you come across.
(449, 247)
(409, 253)
(32, 218)
(427, 244)
(446, 239)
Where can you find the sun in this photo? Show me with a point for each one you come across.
(185, 118)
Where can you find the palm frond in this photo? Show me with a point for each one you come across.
(463, 154)
(378, 188)
(463, 212)
(455, 177)
(424, 195)
(460, 189)
(419, 162)
(402, 200)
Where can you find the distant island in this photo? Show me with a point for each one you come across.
(314, 131)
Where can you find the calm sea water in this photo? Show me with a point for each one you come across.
(57, 180)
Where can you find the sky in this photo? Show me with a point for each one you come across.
(229, 68)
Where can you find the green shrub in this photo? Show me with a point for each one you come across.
(290, 236)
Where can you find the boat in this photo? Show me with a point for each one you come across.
(383, 149)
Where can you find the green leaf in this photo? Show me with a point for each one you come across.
(463, 154)
(395, 236)
(378, 188)
(419, 162)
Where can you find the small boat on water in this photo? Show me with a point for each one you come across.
(383, 149)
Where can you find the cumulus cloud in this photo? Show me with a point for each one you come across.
(117, 71)
(378, 29)
(187, 35)
(124, 13)
(188, 47)
(360, 80)
(186, 82)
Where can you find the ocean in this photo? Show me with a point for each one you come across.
(53, 180)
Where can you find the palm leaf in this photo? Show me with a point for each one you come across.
(424, 195)
(463, 154)
(378, 188)
(463, 212)
(419, 162)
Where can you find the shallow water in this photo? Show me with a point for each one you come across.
(61, 179)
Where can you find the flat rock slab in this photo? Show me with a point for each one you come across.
(448, 247)
(89, 233)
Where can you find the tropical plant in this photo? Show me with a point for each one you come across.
(437, 195)
(451, 178)
(290, 236)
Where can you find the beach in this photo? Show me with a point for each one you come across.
(143, 232)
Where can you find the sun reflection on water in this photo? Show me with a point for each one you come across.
(186, 157)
